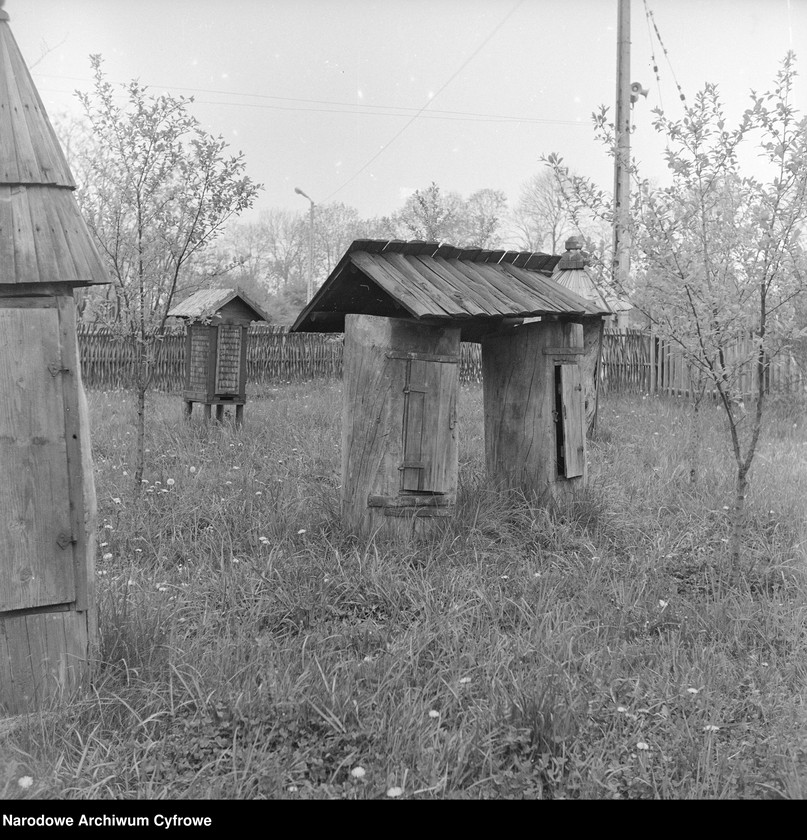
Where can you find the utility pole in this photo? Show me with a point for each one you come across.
(621, 256)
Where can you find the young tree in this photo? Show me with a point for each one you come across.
(719, 266)
(429, 215)
(158, 190)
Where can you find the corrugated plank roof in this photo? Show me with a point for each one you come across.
(43, 238)
(437, 283)
(205, 304)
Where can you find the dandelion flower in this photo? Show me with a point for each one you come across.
(693, 690)
(301, 531)
(192, 469)
(710, 728)
(662, 603)
(292, 788)
(642, 745)
(25, 782)
(394, 792)
(464, 680)
(107, 556)
(357, 772)
(116, 501)
(170, 482)
(621, 709)
(433, 713)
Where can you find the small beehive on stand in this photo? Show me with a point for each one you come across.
(216, 349)
(47, 497)
(573, 273)
(404, 308)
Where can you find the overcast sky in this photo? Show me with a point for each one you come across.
(364, 101)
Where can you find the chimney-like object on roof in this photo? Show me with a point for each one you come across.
(47, 497)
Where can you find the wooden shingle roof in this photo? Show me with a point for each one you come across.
(43, 238)
(572, 273)
(207, 302)
(436, 283)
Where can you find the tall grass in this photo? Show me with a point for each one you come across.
(251, 648)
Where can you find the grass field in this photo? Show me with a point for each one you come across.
(252, 649)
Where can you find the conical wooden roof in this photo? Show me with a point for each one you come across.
(43, 238)
(572, 273)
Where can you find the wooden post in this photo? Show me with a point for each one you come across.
(590, 367)
(621, 231)
(399, 428)
(534, 414)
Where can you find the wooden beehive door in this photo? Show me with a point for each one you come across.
(572, 417)
(428, 424)
(38, 444)
(228, 360)
(199, 341)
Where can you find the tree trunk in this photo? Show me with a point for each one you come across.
(140, 435)
(738, 519)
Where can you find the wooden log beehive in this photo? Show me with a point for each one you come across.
(47, 496)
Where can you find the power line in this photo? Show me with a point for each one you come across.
(652, 18)
(426, 105)
(653, 55)
(338, 107)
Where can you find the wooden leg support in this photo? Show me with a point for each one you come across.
(219, 413)
(188, 409)
(239, 415)
(208, 407)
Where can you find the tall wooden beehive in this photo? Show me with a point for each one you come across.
(404, 308)
(572, 272)
(216, 349)
(47, 497)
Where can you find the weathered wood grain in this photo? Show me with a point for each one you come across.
(399, 435)
(521, 442)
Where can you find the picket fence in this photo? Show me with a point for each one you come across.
(632, 361)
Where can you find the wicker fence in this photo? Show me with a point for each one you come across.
(632, 362)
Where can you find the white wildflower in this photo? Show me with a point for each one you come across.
(357, 772)
(395, 792)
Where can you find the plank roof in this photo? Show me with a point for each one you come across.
(207, 302)
(435, 283)
(43, 237)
